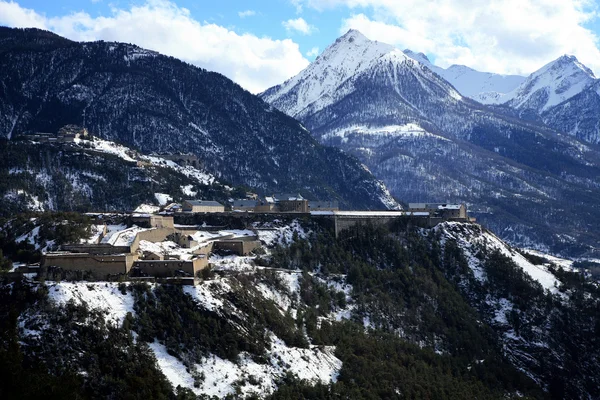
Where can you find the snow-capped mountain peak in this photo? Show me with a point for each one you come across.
(349, 55)
(420, 57)
(552, 84)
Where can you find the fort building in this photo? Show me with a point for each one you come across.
(239, 246)
(153, 220)
(100, 266)
(323, 206)
(169, 268)
(202, 206)
(441, 210)
(244, 205)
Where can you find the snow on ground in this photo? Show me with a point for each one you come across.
(30, 237)
(208, 293)
(408, 131)
(124, 237)
(173, 369)
(339, 284)
(104, 296)
(285, 300)
(20, 195)
(222, 376)
(187, 170)
(128, 154)
(111, 230)
(108, 147)
(203, 236)
(282, 235)
(469, 240)
(163, 198)
(238, 232)
(167, 248)
(503, 306)
(188, 190)
(291, 280)
(561, 262)
(232, 263)
(95, 233)
(146, 209)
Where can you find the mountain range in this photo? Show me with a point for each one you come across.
(484, 87)
(563, 94)
(158, 104)
(428, 142)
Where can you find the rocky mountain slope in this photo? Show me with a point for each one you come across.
(155, 103)
(388, 312)
(427, 142)
(579, 115)
(549, 86)
(563, 95)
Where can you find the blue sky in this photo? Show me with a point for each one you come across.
(261, 43)
(262, 18)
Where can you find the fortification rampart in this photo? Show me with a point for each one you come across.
(99, 265)
(96, 249)
(169, 268)
(237, 246)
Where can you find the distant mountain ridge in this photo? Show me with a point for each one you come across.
(469, 82)
(155, 103)
(562, 94)
(428, 142)
(549, 86)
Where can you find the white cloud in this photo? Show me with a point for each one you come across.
(298, 25)
(11, 14)
(247, 13)
(504, 36)
(313, 52)
(255, 63)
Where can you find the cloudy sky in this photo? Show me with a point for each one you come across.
(260, 43)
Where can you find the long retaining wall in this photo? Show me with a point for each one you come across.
(96, 249)
(169, 268)
(340, 222)
(237, 246)
(99, 265)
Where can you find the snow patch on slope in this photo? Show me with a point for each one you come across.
(222, 376)
(471, 239)
(104, 296)
(109, 147)
(281, 235)
(408, 131)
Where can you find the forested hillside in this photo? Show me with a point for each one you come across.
(380, 312)
(93, 175)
